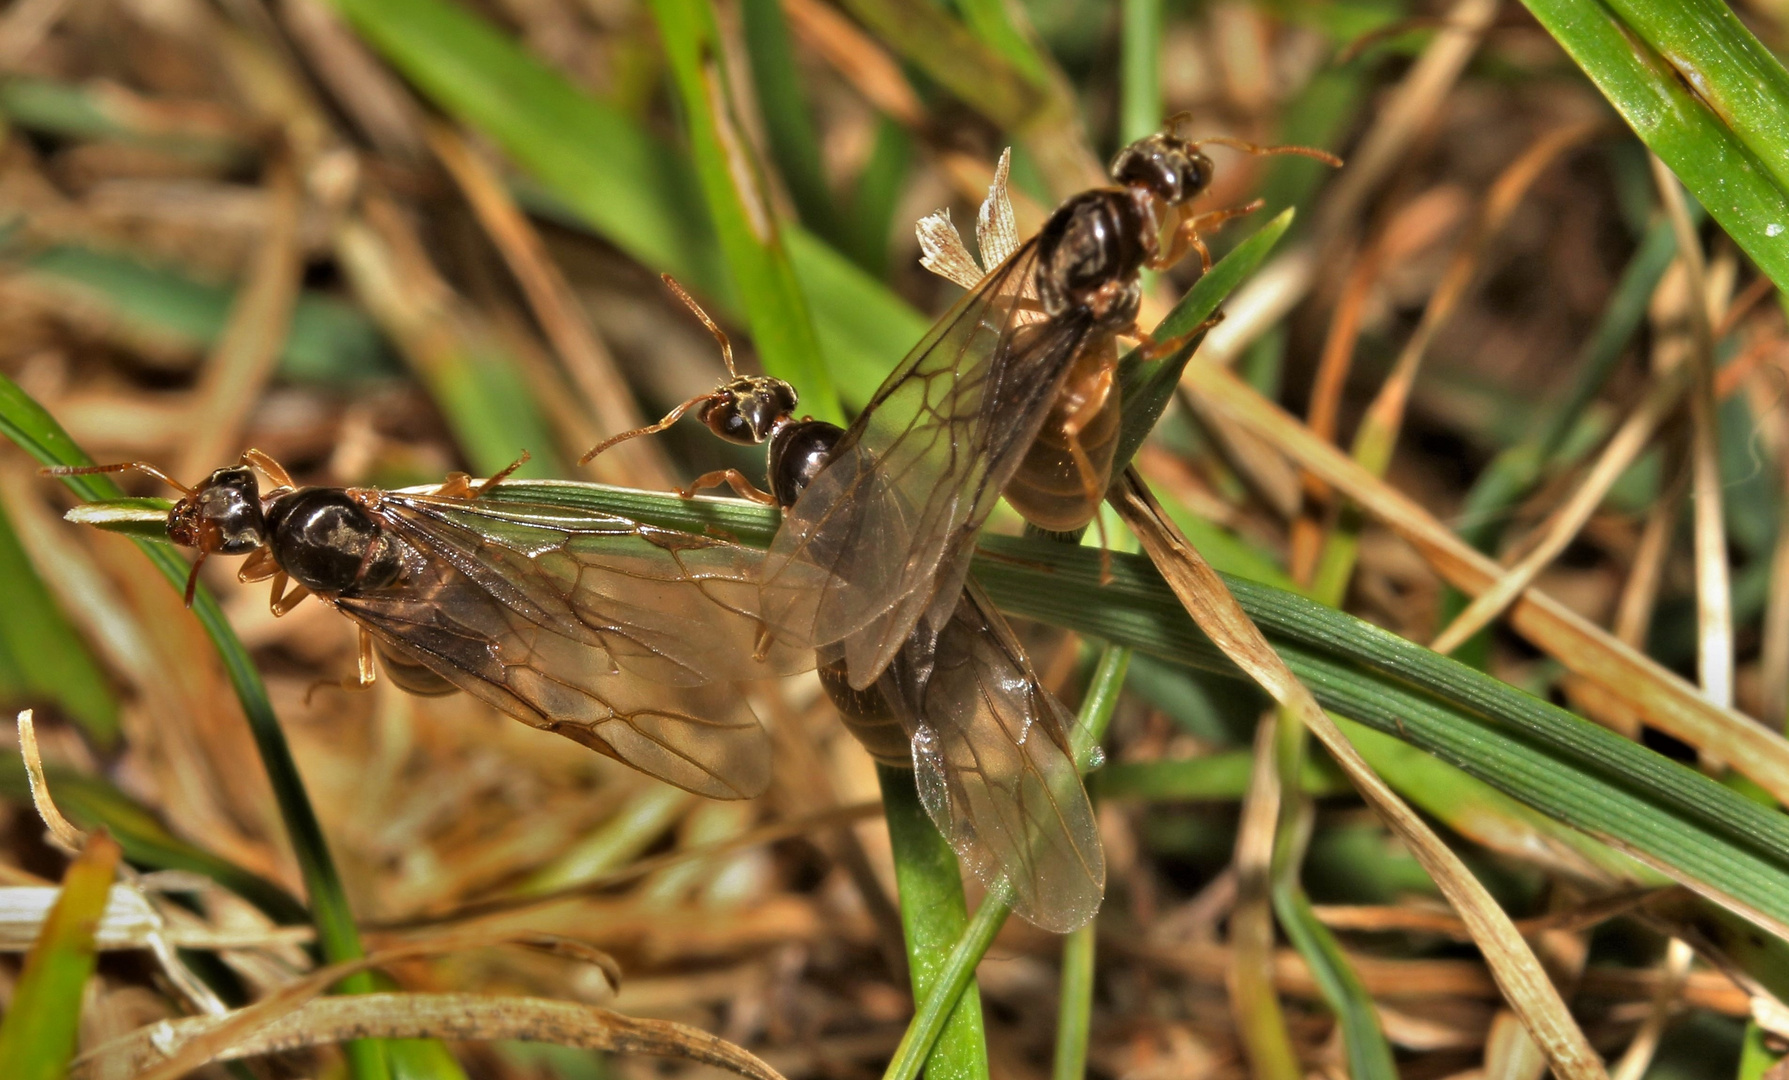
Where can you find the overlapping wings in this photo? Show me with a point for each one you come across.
(992, 761)
(887, 527)
(613, 633)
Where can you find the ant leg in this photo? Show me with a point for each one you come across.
(734, 479)
(502, 475)
(261, 459)
(1186, 237)
(283, 605)
(192, 579)
(1155, 348)
(458, 485)
(122, 466)
(259, 566)
(365, 674)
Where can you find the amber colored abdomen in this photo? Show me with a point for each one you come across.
(866, 717)
(1049, 489)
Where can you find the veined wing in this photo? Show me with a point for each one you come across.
(664, 605)
(887, 526)
(702, 738)
(992, 761)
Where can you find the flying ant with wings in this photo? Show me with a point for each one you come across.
(1011, 393)
(614, 633)
(961, 705)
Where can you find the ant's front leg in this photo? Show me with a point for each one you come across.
(734, 479)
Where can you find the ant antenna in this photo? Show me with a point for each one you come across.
(719, 334)
(1312, 152)
(122, 466)
(675, 414)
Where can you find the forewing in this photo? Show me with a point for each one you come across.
(886, 527)
(994, 769)
(702, 738)
(664, 605)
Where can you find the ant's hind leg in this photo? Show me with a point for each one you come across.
(365, 673)
(734, 479)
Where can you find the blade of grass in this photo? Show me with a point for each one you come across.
(788, 122)
(37, 1036)
(50, 662)
(605, 172)
(1074, 1014)
(1732, 71)
(329, 340)
(1518, 973)
(1146, 386)
(1718, 167)
(93, 803)
(740, 208)
(1140, 70)
(933, 917)
(27, 424)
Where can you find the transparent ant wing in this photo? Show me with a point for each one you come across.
(616, 634)
(881, 539)
(994, 768)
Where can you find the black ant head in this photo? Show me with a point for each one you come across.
(747, 409)
(223, 515)
(1165, 166)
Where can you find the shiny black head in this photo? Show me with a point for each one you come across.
(328, 542)
(748, 408)
(1088, 256)
(1164, 166)
(223, 514)
(797, 454)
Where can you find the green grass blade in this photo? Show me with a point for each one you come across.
(52, 664)
(1146, 386)
(739, 205)
(788, 122)
(1520, 747)
(329, 340)
(93, 803)
(1369, 1055)
(1140, 70)
(1732, 71)
(26, 423)
(1711, 160)
(37, 1036)
(934, 916)
(1074, 1014)
(596, 161)
(950, 980)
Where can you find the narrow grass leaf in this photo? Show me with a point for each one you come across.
(1518, 973)
(620, 180)
(26, 423)
(37, 1035)
(1724, 174)
(51, 662)
(740, 208)
(934, 916)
